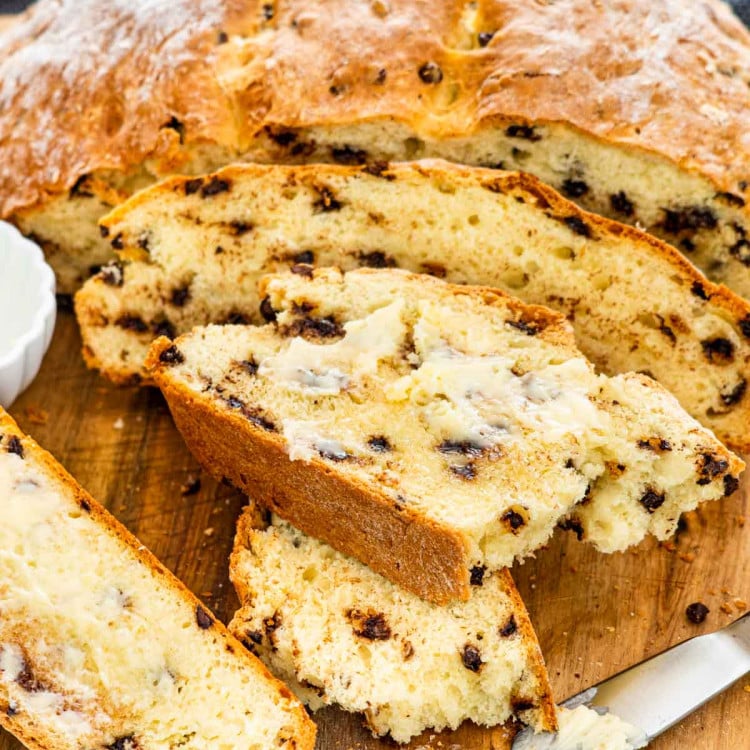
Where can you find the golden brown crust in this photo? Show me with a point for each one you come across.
(731, 427)
(534, 653)
(419, 554)
(29, 735)
(675, 84)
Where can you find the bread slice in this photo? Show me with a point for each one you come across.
(193, 249)
(429, 429)
(340, 634)
(635, 109)
(102, 647)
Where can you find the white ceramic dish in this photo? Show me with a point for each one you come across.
(27, 311)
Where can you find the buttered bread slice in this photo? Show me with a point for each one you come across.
(193, 250)
(101, 647)
(430, 429)
(340, 634)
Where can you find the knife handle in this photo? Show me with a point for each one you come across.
(657, 693)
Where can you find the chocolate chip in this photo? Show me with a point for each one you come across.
(735, 394)
(267, 11)
(522, 704)
(476, 576)
(621, 203)
(172, 356)
(193, 186)
(241, 227)
(204, 620)
(382, 74)
(191, 487)
(302, 269)
(12, 710)
(348, 155)
(485, 37)
(656, 444)
(222, 37)
(371, 625)
(509, 628)
(652, 500)
(718, 350)
(379, 444)
(574, 188)
(687, 245)
(272, 624)
(124, 743)
(255, 636)
(327, 201)
(574, 525)
(103, 231)
(744, 325)
(710, 467)
(430, 72)
(699, 290)
(324, 328)
(578, 225)
(131, 323)
(465, 471)
(85, 506)
(527, 132)
(306, 256)
(268, 313)
(177, 126)
(530, 329)
(697, 612)
(112, 274)
(690, 218)
(732, 198)
(164, 328)
(215, 186)
(283, 137)
(513, 519)
(376, 259)
(80, 188)
(180, 296)
(336, 89)
(15, 446)
(117, 242)
(471, 658)
(463, 447)
(731, 485)
(250, 366)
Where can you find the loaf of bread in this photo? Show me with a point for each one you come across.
(635, 109)
(192, 252)
(430, 429)
(102, 647)
(339, 634)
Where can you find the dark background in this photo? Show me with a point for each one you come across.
(741, 6)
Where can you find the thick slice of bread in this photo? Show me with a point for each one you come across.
(102, 647)
(429, 429)
(338, 633)
(201, 245)
(636, 108)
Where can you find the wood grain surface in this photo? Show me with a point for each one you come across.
(595, 614)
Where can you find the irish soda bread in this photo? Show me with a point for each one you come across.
(101, 647)
(431, 429)
(636, 109)
(338, 633)
(201, 245)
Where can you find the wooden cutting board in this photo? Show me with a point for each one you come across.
(595, 614)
